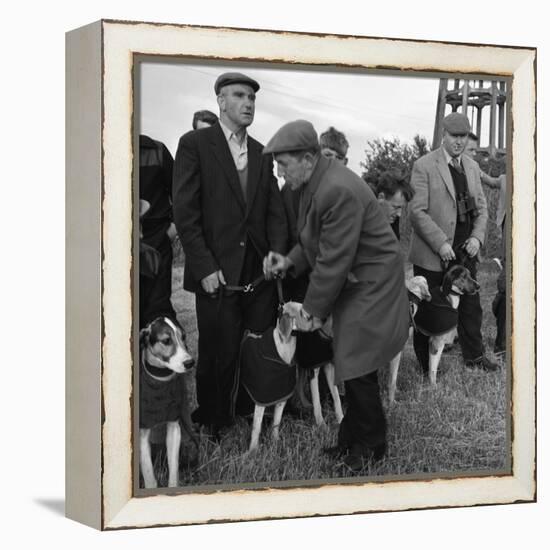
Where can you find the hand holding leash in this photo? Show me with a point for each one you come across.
(472, 246)
(275, 264)
(212, 282)
(446, 252)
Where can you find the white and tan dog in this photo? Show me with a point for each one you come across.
(268, 371)
(457, 281)
(163, 358)
(324, 335)
(418, 292)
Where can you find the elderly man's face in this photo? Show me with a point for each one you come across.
(471, 148)
(333, 154)
(393, 206)
(295, 170)
(237, 105)
(454, 144)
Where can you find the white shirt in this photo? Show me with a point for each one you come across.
(239, 150)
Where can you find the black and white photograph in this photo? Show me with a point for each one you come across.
(323, 290)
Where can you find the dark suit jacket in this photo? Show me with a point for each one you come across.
(357, 269)
(212, 218)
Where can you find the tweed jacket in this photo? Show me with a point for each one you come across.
(214, 220)
(357, 272)
(433, 207)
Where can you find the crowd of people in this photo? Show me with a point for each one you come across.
(333, 238)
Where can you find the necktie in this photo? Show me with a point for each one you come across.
(456, 165)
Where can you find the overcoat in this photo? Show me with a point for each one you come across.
(357, 271)
(433, 207)
(214, 219)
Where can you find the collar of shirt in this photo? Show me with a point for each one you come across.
(449, 158)
(239, 149)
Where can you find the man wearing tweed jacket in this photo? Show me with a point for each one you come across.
(449, 212)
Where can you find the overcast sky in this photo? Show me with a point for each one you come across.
(363, 106)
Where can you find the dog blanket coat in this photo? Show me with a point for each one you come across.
(312, 350)
(265, 376)
(160, 401)
(436, 316)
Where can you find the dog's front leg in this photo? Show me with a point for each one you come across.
(315, 398)
(436, 349)
(329, 375)
(394, 369)
(277, 415)
(145, 461)
(173, 442)
(256, 427)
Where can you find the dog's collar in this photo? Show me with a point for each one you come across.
(155, 372)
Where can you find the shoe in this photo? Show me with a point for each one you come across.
(482, 363)
(359, 460)
(337, 451)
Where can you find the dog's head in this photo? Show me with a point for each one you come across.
(162, 344)
(418, 286)
(459, 280)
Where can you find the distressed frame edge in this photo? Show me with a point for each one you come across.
(526, 489)
(83, 323)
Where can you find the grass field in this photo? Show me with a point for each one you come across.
(459, 426)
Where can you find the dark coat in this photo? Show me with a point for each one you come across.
(266, 377)
(214, 221)
(357, 269)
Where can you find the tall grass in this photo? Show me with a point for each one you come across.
(460, 426)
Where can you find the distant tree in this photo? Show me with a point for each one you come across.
(391, 154)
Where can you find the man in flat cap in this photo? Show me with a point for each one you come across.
(356, 275)
(228, 212)
(449, 213)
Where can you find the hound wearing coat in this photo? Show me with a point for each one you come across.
(437, 318)
(418, 290)
(163, 361)
(268, 370)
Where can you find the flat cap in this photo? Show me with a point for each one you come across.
(456, 124)
(293, 136)
(234, 78)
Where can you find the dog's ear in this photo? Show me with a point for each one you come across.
(447, 283)
(461, 255)
(144, 334)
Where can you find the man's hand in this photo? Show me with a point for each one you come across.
(446, 252)
(472, 246)
(306, 322)
(275, 264)
(212, 282)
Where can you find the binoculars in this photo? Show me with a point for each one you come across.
(466, 207)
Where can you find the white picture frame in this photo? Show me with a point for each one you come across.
(100, 332)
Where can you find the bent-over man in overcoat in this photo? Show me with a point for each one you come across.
(356, 275)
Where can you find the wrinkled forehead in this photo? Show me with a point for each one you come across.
(329, 152)
(397, 199)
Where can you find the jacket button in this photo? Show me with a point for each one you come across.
(241, 243)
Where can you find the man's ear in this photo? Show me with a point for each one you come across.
(381, 196)
(221, 102)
